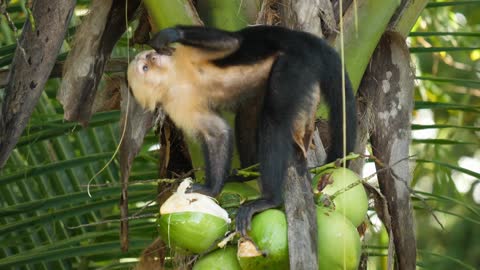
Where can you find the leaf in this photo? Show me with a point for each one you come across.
(107, 248)
(49, 217)
(68, 199)
(440, 126)
(441, 49)
(446, 106)
(447, 258)
(457, 81)
(447, 199)
(450, 166)
(51, 167)
(455, 34)
(440, 141)
(452, 3)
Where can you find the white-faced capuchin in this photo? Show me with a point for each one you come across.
(210, 69)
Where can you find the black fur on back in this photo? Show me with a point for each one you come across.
(303, 61)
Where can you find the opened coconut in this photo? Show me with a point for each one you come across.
(192, 221)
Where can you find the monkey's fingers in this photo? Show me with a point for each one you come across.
(245, 213)
(197, 188)
(243, 220)
(164, 38)
(167, 50)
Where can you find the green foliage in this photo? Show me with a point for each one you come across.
(47, 219)
(446, 52)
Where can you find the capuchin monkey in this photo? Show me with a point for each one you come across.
(210, 70)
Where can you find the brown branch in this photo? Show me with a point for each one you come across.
(32, 63)
(112, 66)
(389, 83)
(94, 41)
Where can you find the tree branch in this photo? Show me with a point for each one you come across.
(33, 61)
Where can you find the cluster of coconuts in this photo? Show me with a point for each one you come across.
(196, 223)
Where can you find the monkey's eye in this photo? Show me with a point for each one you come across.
(145, 68)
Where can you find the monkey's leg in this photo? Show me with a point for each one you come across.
(246, 126)
(287, 94)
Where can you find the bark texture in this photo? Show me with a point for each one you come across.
(135, 124)
(33, 61)
(94, 42)
(301, 215)
(316, 17)
(389, 82)
(113, 65)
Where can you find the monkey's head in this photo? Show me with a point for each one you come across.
(148, 78)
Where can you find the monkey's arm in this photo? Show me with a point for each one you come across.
(217, 142)
(208, 39)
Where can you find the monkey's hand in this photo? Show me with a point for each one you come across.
(161, 40)
(245, 213)
(167, 50)
(205, 190)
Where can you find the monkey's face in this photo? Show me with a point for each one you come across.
(148, 78)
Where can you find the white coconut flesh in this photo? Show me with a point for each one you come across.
(180, 201)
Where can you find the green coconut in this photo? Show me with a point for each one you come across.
(192, 221)
(269, 232)
(222, 259)
(338, 241)
(353, 203)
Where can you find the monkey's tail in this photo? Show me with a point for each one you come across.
(331, 87)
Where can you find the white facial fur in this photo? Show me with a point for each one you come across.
(148, 76)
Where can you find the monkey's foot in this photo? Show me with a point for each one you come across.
(245, 213)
